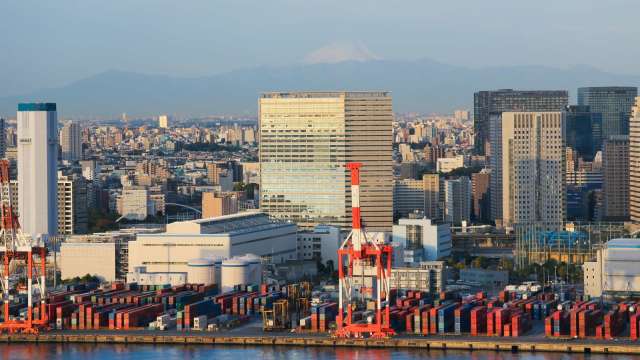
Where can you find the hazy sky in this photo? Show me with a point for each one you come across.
(48, 43)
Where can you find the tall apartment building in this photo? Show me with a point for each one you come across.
(163, 121)
(135, 204)
(486, 103)
(71, 141)
(219, 204)
(457, 200)
(213, 173)
(480, 195)
(615, 186)
(634, 163)
(614, 103)
(73, 216)
(408, 196)
(533, 168)
(306, 138)
(433, 196)
(37, 167)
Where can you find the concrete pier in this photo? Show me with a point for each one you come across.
(452, 343)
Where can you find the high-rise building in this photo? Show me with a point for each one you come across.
(306, 138)
(486, 103)
(37, 167)
(461, 115)
(584, 131)
(163, 121)
(615, 186)
(216, 204)
(135, 203)
(408, 196)
(213, 173)
(457, 200)
(634, 163)
(433, 196)
(533, 168)
(614, 103)
(72, 205)
(481, 196)
(71, 141)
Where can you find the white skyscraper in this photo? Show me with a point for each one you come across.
(533, 168)
(37, 167)
(163, 121)
(457, 200)
(71, 141)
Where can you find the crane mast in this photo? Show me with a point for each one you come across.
(19, 250)
(368, 269)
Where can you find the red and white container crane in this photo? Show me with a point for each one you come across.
(18, 249)
(367, 278)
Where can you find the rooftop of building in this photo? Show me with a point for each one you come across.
(527, 92)
(623, 243)
(37, 107)
(608, 88)
(323, 94)
(234, 224)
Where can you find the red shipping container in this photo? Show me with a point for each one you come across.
(409, 323)
(633, 326)
(425, 322)
(491, 318)
(600, 332)
(548, 326)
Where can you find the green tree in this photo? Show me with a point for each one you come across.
(480, 262)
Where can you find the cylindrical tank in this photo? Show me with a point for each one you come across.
(234, 272)
(217, 272)
(255, 268)
(200, 271)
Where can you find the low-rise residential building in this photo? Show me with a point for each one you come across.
(321, 243)
(420, 239)
(429, 276)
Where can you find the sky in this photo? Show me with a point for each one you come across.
(51, 43)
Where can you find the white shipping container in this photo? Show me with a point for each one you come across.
(200, 322)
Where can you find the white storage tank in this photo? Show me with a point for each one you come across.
(234, 272)
(200, 271)
(217, 270)
(255, 268)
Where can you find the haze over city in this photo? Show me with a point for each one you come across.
(69, 41)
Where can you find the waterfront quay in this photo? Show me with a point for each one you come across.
(565, 345)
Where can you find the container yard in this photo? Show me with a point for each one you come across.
(300, 309)
(120, 312)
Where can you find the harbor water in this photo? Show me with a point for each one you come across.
(23, 351)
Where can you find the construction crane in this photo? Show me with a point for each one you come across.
(17, 250)
(276, 318)
(368, 269)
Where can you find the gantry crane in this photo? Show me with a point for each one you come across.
(368, 264)
(18, 249)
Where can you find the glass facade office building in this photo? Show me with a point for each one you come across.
(614, 103)
(495, 102)
(584, 131)
(305, 140)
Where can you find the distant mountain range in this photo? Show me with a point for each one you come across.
(422, 86)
